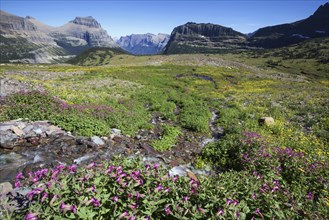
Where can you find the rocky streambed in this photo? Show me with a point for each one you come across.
(26, 146)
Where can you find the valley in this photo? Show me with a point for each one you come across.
(204, 123)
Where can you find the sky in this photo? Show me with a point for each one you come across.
(121, 18)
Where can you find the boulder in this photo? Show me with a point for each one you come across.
(97, 140)
(5, 188)
(266, 121)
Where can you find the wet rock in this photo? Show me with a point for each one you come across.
(97, 140)
(266, 121)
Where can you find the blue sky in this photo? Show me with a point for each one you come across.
(125, 17)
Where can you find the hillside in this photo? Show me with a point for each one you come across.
(96, 56)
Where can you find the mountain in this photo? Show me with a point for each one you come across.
(317, 25)
(144, 44)
(31, 41)
(205, 38)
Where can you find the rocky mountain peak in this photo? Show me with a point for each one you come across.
(88, 21)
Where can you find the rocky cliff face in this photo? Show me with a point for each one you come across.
(87, 29)
(142, 44)
(317, 25)
(29, 40)
(200, 37)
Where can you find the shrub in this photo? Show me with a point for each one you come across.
(168, 138)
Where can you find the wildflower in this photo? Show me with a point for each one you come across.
(72, 168)
(109, 170)
(175, 178)
(66, 208)
(19, 176)
(201, 209)
(116, 199)
(95, 202)
(54, 174)
(310, 196)
(158, 188)
(31, 216)
(91, 165)
(167, 210)
(156, 166)
(17, 184)
(124, 214)
(186, 198)
(91, 189)
(254, 196)
(44, 196)
(235, 202)
(53, 199)
(229, 201)
(220, 212)
(167, 190)
(60, 167)
(237, 214)
(147, 218)
(138, 195)
(133, 206)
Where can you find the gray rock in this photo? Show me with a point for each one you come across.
(177, 170)
(115, 131)
(5, 188)
(28, 128)
(37, 131)
(4, 127)
(97, 140)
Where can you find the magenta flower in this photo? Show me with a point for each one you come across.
(167, 190)
(17, 184)
(31, 216)
(310, 196)
(19, 176)
(44, 196)
(158, 188)
(91, 189)
(147, 218)
(167, 210)
(229, 201)
(175, 178)
(186, 198)
(53, 199)
(257, 211)
(124, 214)
(220, 212)
(91, 165)
(116, 199)
(156, 166)
(235, 202)
(54, 174)
(60, 167)
(66, 208)
(109, 170)
(254, 196)
(72, 168)
(96, 202)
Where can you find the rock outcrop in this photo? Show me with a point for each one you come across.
(144, 44)
(203, 38)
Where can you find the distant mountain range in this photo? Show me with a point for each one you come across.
(29, 40)
(144, 44)
(212, 38)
